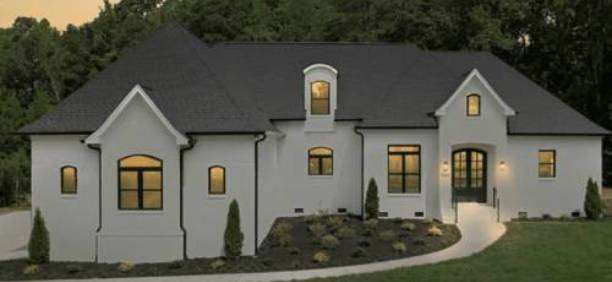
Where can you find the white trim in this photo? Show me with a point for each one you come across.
(508, 111)
(323, 66)
(95, 138)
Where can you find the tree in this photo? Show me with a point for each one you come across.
(38, 248)
(593, 205)
(371, 204)
(233, 235)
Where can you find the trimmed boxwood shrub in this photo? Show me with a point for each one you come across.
(233, 235)
(371, 204)
(38, 247)
(593, 205)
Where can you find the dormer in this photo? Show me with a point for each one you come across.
(320, 96)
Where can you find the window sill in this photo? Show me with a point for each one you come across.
(69, 196)
(317, 176)
(547, 179)
(216, 197)
(141, 212)
(404, 195)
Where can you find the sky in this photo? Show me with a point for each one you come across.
(59, 12)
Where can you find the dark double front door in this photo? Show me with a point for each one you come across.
(469, 175)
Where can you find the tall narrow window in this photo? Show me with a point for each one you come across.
(320, 161)
(473, 105)
(319, 98)
(216, 180)
(140, 183)
(404, 171)
(547, 162)
(68, 180)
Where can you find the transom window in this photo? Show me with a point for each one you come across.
(140, 183)
(68, 180)
(216, 180)
(547, 160)
(320, 161)
(404, 171)
(319, 98)
(473, 105)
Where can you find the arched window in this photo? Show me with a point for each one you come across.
(473, 105)
(216, 180)
(140, 183)
(320, 161)
(319, 98)
(68, 179)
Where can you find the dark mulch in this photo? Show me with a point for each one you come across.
(271, 257)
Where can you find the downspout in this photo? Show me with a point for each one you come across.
(181, 212)
(260, 138)
(99, 150)
(362, 168)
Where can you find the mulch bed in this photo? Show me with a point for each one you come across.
(364, 246)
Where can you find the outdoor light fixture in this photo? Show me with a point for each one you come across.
(445, 166)
(502, 165)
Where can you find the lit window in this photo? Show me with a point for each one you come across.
(140, 183)
(547, 160)
(473, 105)
(216, 180)
(320, 161)
(319, 98)
(68, 180)
(404, 171)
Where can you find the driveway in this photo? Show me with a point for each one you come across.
(14, 234)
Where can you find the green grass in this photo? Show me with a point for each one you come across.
(543, 251)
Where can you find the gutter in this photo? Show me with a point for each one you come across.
(259, 139)
(99, 150)
(362, 169)
(181, 209)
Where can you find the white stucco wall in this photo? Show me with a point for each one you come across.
(205, 215)
(71, 219)
(142, 236)
(376, 165)
(578, 158)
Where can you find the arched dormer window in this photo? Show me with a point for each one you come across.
(320, 161)
(319, 98)
(472, 105)
(140, 183)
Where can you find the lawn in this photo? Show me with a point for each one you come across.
(543, 251)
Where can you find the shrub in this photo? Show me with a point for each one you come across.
(312, 218)
(364, 243)
(233, 237)
(281, 234)
(370, 224)
(329, 242)
(546, 216)
(359, 252)
(125, 266)
(294, 251)
(38, 247)
(564, 217)
(387, 235)
(434, 231)
(429, 221)
(397, 220)
(335, 222)
(371, 204)
(345, 232)
(217, 264)
(176, 265)
(73, 268)
(593, 205)
(320, 257)
(419, 242)
(408, 226)
(317, 229)
(399, 247)
(31, 269)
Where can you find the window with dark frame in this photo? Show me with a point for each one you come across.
(473, 105)
(140, 183)
(216, 180)
(547, 163)
(319, 98)
(320, 161)
(68, 180)
(404, 169)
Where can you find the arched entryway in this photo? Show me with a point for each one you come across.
(469, 175)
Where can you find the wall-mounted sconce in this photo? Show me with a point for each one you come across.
(502, 165)
(445, 166)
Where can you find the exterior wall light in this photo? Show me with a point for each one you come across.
(502, 165)
(445, 166)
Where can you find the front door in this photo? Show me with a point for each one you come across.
(469, 175)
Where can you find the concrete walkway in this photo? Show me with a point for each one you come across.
(478, 227)
(14, 234)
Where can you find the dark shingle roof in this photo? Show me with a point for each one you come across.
(240, 87)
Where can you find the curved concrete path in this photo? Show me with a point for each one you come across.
(478, 228)
(14, 234)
